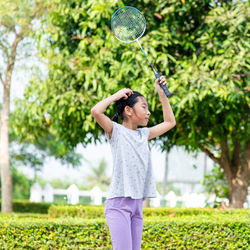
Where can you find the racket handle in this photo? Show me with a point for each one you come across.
(158, 76)
(164, 87)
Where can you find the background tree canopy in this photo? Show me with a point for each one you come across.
(202, 48)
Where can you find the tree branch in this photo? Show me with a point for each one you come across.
(225, 161)
(210, 154)
(247, 159)
(238, 76)
(1, 79)
(236, 155)
(4, 48)
(11, 59)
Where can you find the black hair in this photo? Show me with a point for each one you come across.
(122, 103)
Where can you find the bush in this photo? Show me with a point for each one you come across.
(91, 212)
(184, 232)
(30, 207)
(88, 212)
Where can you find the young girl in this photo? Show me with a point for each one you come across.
(132, 180)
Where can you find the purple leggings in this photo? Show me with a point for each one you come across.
(125, 220)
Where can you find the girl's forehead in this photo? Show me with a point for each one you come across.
(142, 100)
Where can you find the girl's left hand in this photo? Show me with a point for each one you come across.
(157, 84)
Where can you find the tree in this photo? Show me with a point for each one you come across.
(33, 155)
(16, 23)
(213, 97)
(21, 185)
(200, 45)
(98, 176)
(215, 183)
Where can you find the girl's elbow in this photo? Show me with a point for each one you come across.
(93, 111)
(174, 123)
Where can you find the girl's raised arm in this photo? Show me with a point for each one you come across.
(168, 115)
(98, 110)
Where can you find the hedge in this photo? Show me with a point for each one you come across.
(30, 207)
(91, 212)
(199, 232)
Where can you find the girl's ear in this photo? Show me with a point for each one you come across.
(128, 111)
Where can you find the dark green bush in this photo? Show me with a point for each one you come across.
(200, 232)
(91, 212)
(30, 207)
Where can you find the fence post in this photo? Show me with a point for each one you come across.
(96, 196)
(73, 194)
(48, 193)
(36, 194)
(171, 199)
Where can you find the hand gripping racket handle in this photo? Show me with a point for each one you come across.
(164, 87)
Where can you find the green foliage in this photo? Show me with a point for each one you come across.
(87, 212)
(33, 153)
(201, 46)
(98, 176)
(169, 187)
(86, 63)
(91, 212)
(24, 206)
(215, 183)
(21, 185)
(199, 232)
(213, 94)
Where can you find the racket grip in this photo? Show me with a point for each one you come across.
(165, 89)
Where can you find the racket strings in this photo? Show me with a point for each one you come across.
(128, 24)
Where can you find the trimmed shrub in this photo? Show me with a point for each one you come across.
(91, 212)
(88, 212)
(197, 232)
(30, 207)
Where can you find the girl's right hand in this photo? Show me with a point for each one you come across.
(123, 93)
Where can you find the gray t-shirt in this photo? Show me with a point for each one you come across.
(132, 167)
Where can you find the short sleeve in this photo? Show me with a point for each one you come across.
(114, 132)
(145, 132)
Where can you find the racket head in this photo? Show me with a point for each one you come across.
(128, 24)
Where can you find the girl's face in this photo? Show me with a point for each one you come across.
(141, 112)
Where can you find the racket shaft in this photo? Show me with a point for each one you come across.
(157, 75)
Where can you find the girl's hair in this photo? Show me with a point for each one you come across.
(122, 103)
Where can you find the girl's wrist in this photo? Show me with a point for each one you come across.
(161, 93)
(114, 97)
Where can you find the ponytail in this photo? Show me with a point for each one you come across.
(122, 103)
(115, 117)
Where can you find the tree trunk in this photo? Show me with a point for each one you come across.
(240, 182)
(238, 173)
(4, 130)
(4, 154)
(239, 192)
(236, 168)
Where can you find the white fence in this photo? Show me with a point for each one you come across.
(47, 194)
(37, 194)
(73, 194)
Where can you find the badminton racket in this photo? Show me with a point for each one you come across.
(128, 24)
